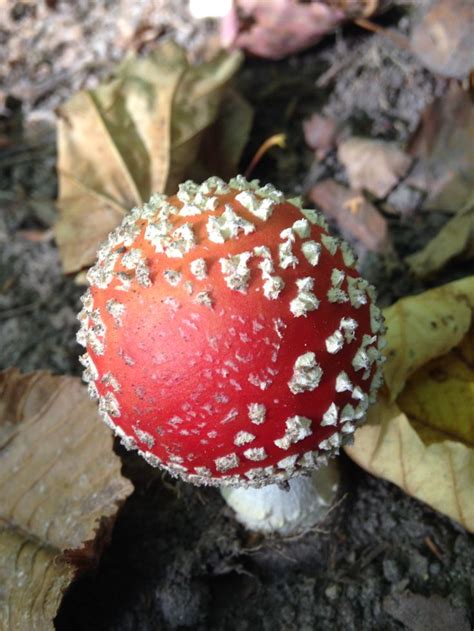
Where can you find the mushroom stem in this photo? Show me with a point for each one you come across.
(272, 509)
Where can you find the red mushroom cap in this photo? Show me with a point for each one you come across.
(229, 338)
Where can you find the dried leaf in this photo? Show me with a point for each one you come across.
(420, 328)
(59, 482)
(440, 474)
(357, 219)
(320, 133)
(361, 8)
(422, 613)
(454, 240)
(443, 38)
(224, 142)
(436, 398)
(373, 165)
(276, 28)
(139, 133)
(445, 151)
(33, 581)
(420, 434)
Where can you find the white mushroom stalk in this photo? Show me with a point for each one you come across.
(288, 509)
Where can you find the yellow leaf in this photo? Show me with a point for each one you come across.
(456, 238)
(138, 134)
(422, 327)
(59, 480)
(440, 474)
(439, 400)
(466, 348)
(420, 434)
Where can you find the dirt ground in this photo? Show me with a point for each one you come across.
(177, 559)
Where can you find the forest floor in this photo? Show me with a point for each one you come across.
(177, 558)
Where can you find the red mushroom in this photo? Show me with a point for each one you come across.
(229, 337)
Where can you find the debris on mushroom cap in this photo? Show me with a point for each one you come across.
(229, 337)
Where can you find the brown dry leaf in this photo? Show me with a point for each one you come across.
(445, 151)
(320, 133)
(140, 133)
(440, 474)
(420, 434)
(358, 220)
(223, 143)
(373, 165)
(276, 28)
(59, 483)
(454, 240)
(422, 613)
(443, 40)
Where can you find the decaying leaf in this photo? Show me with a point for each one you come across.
(276, 28)
(141, 133)
(420, 434)
(440, 474)
(59, 482)
(445, 152)
(224, 141)
(358, 220)
(420, 328)
(419, 613)
(320, 133)
(373, 165)
(454, 240)
(443, 38)
(436, 398)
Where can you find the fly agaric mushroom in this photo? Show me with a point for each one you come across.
(231, 341)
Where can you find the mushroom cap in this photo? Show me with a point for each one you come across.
(229, 337)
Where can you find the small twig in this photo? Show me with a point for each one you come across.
(10, 313)
(329, 74)
(200, 497)
(373, 554)
(37, 236)
(277, 140)
(172, 488)
(397, 38)
(434, 548)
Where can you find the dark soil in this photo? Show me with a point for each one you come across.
(177, 558)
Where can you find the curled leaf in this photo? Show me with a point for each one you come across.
(357, 219)
(420, 434)
(420, 328)
(59, 482)
(437, 397)
(373, 165)
(455, 239)
(276, 28)
(140, 133)
(443, 38)
(444, 150)
(320, 133)
(440, 474)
